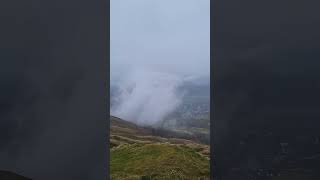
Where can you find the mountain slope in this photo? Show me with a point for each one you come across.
(141, 153)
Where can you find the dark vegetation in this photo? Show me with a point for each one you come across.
(195, 136)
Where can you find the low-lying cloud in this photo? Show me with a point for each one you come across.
(146, 96)
(153, 45)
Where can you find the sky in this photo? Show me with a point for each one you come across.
(154, 47)
(162, 35)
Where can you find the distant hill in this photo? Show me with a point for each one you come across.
(148, 153)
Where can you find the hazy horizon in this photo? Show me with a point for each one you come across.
(154, 47)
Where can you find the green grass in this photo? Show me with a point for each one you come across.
(138, 154)
(157, 161)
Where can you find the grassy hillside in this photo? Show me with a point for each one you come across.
(141, 153)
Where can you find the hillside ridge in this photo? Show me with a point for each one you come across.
(144, 152)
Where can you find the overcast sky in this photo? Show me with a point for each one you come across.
(169, 35)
